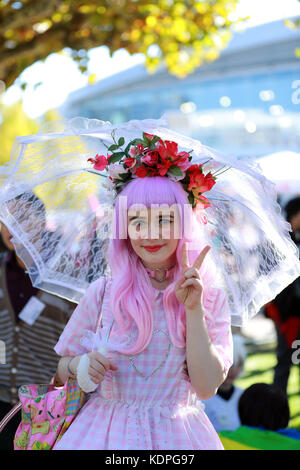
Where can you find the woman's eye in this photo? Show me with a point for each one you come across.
(166, 221)
(138, 223)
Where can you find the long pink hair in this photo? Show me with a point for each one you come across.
(132, 295)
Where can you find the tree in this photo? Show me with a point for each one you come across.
(14, 122)
(295, 24)
(182, 34)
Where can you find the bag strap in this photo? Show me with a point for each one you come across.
(100, 314)
(10, 415)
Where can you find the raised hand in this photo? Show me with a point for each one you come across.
(189, 288)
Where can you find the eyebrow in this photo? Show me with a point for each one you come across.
(143, 218)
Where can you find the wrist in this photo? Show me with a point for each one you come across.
(197, 311)
(72, 366)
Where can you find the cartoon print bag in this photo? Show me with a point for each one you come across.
(47, 411)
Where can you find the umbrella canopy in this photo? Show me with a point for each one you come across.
(60, 214)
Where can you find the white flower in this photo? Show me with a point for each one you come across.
(115, 169)
(175, 177)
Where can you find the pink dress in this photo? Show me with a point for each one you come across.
(149, 402)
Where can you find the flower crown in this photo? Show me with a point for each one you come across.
(152, 156)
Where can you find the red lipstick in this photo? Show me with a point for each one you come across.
(153, 248)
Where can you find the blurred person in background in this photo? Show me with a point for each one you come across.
(284, 310)
(264, 414)
(31, 322)
(222, 409)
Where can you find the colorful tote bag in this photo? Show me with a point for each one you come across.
(47, 412)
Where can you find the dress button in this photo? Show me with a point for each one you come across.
(15, 349)
(13, 390)
(14, 370)
(17, 329)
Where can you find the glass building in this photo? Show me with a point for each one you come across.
(247, 102)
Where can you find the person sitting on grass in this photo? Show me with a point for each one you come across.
(264, 414)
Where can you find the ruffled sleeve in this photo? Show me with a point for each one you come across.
(85, 317)
(218, 321)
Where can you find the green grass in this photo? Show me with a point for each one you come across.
(259, 367)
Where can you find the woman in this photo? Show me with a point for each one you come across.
(168, 326)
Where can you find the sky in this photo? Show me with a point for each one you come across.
(59, 75)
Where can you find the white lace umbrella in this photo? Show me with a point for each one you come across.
(62, 236)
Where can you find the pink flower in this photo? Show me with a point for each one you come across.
(198, 211)
(151, 158)
(132, 151)
(99, 162)
(203, 203)
(149, 136)
(140, 148)
(183, 162)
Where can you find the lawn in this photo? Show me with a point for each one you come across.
(259, 367)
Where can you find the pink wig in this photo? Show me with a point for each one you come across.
(132, 295)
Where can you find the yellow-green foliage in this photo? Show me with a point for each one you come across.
(185, 33)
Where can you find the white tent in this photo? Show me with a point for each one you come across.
(283, 168)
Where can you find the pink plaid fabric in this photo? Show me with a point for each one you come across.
(149, 402)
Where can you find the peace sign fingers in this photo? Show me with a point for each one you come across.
(200, 258)
(185, 264)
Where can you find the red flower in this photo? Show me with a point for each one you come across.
(163, 167)
(153, 172)
(199, 181)
(141, 171)
(167, 149)
(99, 162)
(172, 147)
(209, 182)
(130, 162)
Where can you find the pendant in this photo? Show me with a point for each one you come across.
(160, 365)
